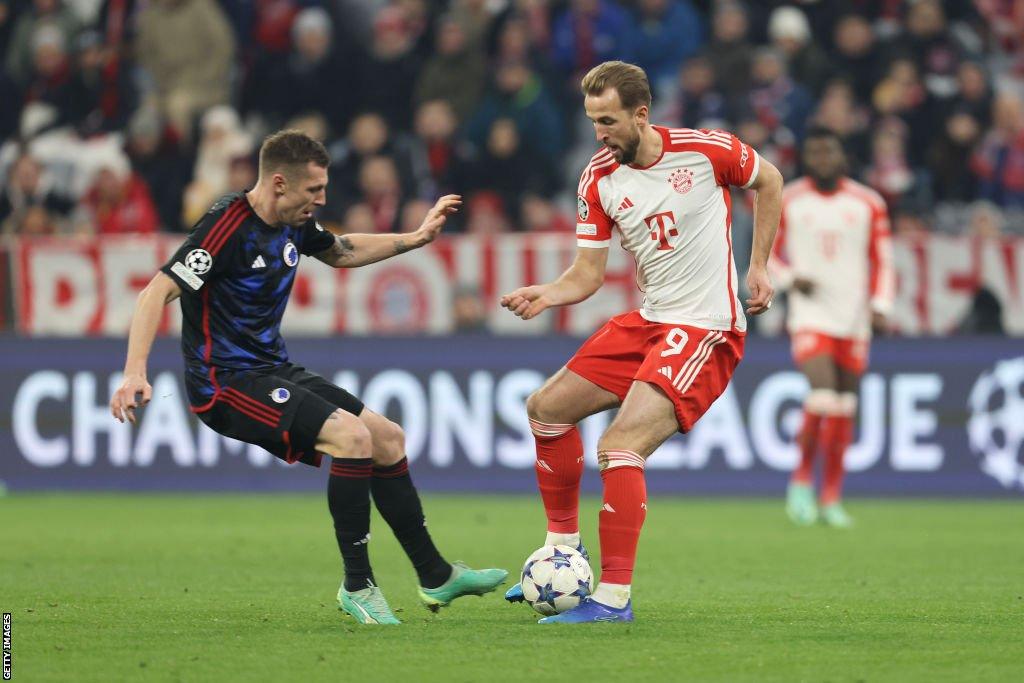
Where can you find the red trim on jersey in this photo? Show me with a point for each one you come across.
(665, 144)
(229, 215)
(207, 353)
(217, 244)
(727, 198)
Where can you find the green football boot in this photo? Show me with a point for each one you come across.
(800, 505)
(368, 605)
(463, 581)
(835, 516)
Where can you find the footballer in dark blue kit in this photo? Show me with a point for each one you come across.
(233, 276)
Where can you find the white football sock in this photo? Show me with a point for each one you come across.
(572, 540)
(612, 594)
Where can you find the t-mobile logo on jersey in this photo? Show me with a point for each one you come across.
(662, 226)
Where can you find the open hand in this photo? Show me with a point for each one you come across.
(527, 302)
(437, 217)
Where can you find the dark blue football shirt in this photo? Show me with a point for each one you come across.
(236, 273)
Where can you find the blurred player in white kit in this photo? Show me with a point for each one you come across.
(833, 254)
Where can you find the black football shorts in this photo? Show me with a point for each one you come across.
(281, 410)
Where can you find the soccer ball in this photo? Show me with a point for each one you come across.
(555, 579)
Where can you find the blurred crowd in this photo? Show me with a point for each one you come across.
(132, 116)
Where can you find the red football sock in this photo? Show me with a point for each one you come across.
(836, 436)
(559, 469)
(808, 441)
(622, 515)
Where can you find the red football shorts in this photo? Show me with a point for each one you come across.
(849, 354)
(691, 365)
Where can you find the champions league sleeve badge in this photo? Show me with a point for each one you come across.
(582, 208)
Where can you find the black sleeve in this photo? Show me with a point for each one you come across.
(315, 238)
(206, 252)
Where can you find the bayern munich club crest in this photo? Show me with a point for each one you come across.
(682, 180)
(291, 254)
(280, 395)
(582, 208)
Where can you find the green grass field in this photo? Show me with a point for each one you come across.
(106, 588)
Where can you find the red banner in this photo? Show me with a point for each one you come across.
(76, 287)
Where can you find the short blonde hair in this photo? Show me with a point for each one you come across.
(629, 81)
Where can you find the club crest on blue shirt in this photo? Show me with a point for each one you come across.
(291, 254)
(280, 395)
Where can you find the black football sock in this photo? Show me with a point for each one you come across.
(348, 497)
(399, 504)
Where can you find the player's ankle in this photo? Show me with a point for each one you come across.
(559, 538)
(612, 594)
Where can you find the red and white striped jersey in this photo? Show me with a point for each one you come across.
(840, 242)
(675, 218)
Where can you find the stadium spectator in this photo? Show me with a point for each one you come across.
(839, 111)
(588, 32)
(456, 73)
(697, 101)
(282, 86)
(468, 310)
(790, 33)
(368, 136)
(890, 172)
(508, 170)
(29, 185)
(223, 140)
(381, 192)
(901, 96)
(157, 157)
(933, 46)
(118, 201)
(519, 94)
(34, 221)
(187, 48)
(855, 57)
(22, 47)
(477, 19)
(999, 161)
(486, 214)
(774, 97)
(102, 97)
(949, 160)
(440, 161)
(540, 215)
(49, 86)
(730, 50)
(387, 75)
(413, 213)
(665, 33)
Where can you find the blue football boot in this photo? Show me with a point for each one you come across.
(591, 611)
(515, 593)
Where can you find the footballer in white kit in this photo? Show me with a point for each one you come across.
(664, 194)
(833, 253)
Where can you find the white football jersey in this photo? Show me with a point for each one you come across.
(675, 218)
(839, 241)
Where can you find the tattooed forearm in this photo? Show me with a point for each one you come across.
(342, 250)
(401, 246)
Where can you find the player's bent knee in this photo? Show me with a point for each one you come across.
(345, 436)
(389, 445)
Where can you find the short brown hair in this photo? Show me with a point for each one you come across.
(629, 81)
(288, 150)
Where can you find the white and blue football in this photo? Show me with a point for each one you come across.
(555, 579)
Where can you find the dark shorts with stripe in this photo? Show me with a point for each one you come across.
(281, 410)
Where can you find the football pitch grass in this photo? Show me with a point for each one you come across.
(240, 587)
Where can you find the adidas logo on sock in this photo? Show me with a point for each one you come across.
(626, 204)
(607, 508)
(544, 466)
(259, 262)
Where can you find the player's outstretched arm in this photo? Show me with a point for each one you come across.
(135, 390)
(767, 213)
(359, 249)
(584, 277)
